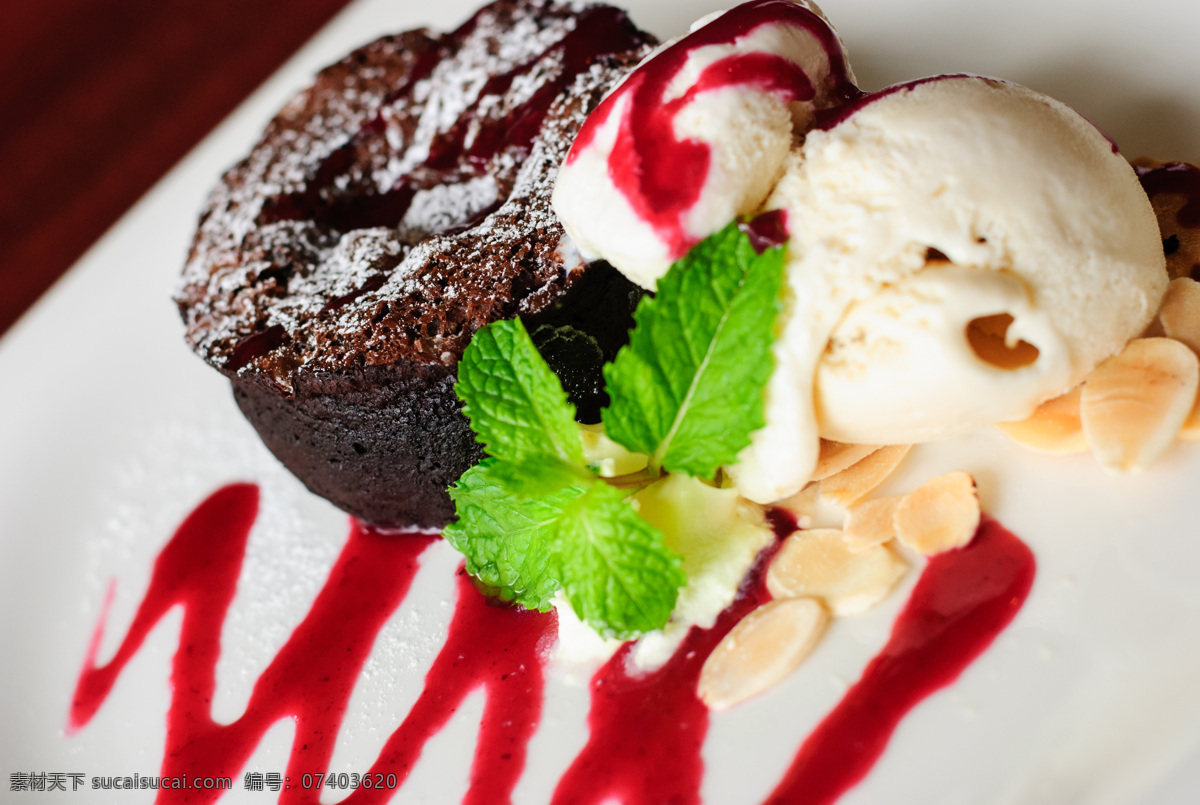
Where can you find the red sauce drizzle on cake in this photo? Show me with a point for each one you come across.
(662, 176)
(647, 730)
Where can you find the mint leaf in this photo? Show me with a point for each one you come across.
(538, 475)
(618, 573)
(516, 405)
(583, 537)
(688, 388)
(510, 542)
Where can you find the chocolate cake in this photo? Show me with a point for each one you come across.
(388, 212)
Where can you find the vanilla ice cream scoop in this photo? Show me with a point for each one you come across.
(698, 134)
(961, 250)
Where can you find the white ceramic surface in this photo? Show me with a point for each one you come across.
(111, 431)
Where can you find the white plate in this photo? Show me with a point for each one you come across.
(111, 431)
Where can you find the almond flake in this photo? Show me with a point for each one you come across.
(1180, 312)
(1135, 402)
(856, 482)
(837, 456)
(760, 651)
(943, 514)
(820, 564)
(870, 523)
(1055, 427)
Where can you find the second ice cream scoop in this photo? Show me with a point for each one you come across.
(961, 250)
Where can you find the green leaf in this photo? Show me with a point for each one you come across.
(539, 475)
(510, 542)
(688, 388)
(583, 538)
(516, 405)
(618, 573)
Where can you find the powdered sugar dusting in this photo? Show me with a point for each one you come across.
(416, 171)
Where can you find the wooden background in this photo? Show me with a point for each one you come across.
(100, 98)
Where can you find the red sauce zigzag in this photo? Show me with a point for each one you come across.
(640, 725)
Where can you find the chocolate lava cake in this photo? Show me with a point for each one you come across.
(390, 211)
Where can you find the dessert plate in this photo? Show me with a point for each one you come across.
(111, 432)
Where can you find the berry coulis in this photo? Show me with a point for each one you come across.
(646, 730)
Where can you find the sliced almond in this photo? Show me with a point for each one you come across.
(870, 523)
(802, 505)
(820, 564)
(758, 653)
(1180, 312)
(1135, 402)
(1055, 427)
(943, 514)
(857, 481)
(837, 456)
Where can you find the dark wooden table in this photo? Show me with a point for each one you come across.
(101, 97)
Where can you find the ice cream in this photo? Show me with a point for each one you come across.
(698, 134)
(962, 249)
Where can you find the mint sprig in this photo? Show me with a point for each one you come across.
(687, 391)
(620, 576)
(532, 518)
(688, 388)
